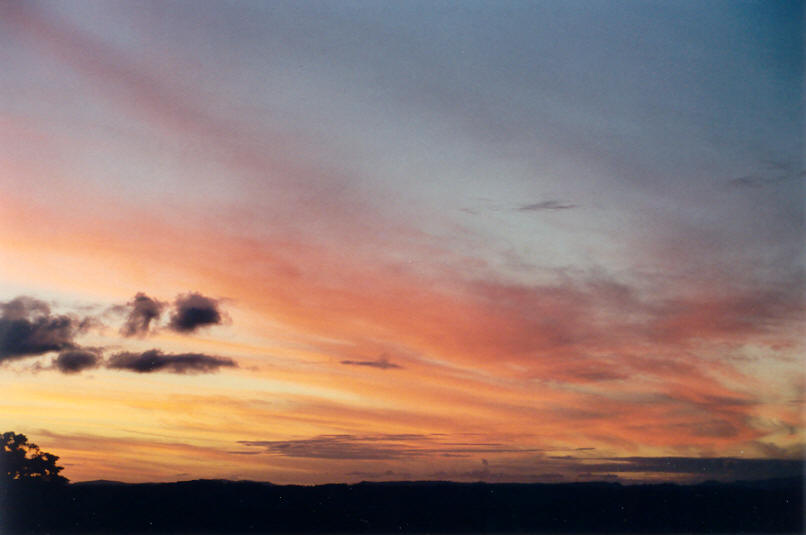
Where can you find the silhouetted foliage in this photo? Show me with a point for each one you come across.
(21, 460)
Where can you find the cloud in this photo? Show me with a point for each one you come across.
(144, 311)
(155, 360)
(27, 328)
(385, 474)
(77, 360)
(485, 474)
(711, 428)
(546, 205)
(376, 447)
(592, 375)
(725, 468)
(755, 181)
(338, 447)
(773, 173)
(23, 306)
(382, 363)
(192, 311)
(682, 469)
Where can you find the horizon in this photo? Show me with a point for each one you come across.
(340, 241)
(626, 482)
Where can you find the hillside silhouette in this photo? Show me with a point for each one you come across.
(219, 506)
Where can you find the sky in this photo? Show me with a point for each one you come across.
(335, 241)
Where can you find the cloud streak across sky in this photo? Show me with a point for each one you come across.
(644, 282)
(154, 361)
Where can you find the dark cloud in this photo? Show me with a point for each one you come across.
(156, 361)
(374, 447)
(192, 311)
(719, 468)
(385, 474)
(382, 363)
(546, 205)
(337, 447)
(598, 477)
(77, 360)
(793, 451)
(22, 307)
(27, 328)
(690, 469)
(143, 310)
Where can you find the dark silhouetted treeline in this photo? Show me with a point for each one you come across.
(773, 506)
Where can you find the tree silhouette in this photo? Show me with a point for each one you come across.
(22, 460)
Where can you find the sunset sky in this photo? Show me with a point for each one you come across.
(310, 242)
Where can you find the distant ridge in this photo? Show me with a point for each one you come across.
(98, 482)
(102, 482)
(223, 506)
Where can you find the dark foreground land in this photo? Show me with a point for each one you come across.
(773, 506)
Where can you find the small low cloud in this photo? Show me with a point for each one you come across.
(193, 311)
(28, 328)
(143, 311)
(382, 363)
(546, 205)
(77, 360)
(155, 360)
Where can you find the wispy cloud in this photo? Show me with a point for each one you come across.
(571, 468)
(758, 181)
(382, 363)
(772, 173)
(546, 205)
(702, 468)
(378, 447)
